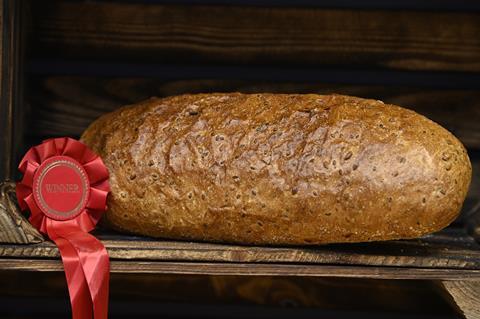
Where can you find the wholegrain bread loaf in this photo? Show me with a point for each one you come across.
(278, 169)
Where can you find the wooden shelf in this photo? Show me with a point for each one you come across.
(447, 255)
(255, 269)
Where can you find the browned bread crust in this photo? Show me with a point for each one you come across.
(278, 169)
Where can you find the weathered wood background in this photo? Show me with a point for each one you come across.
(87, 58)
(66, 105)
(410, 40)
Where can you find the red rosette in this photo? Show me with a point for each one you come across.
(65, 187)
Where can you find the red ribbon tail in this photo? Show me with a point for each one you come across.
(96, 266)
(77, 285)
(83, 255)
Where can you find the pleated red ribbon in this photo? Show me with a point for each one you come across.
(65, 187)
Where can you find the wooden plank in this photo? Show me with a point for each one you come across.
(443, 5)
(14, 227)
(10, 84)
(6, 113)
(466, 296)
(450, 249)
(415, 40)
(249, 269)
(267, 73)
(473, 225)
(67, 105)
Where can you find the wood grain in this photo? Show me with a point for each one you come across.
(473, 224)
(450, 249)
(11, 97)
(14, 227)
(249, 269)
(466, 295)
(67, 105)
(409, 40)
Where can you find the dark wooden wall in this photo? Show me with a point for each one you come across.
(89, 57)
(11, 84)
(239, 35)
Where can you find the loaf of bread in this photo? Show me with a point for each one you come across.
(278, 169)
